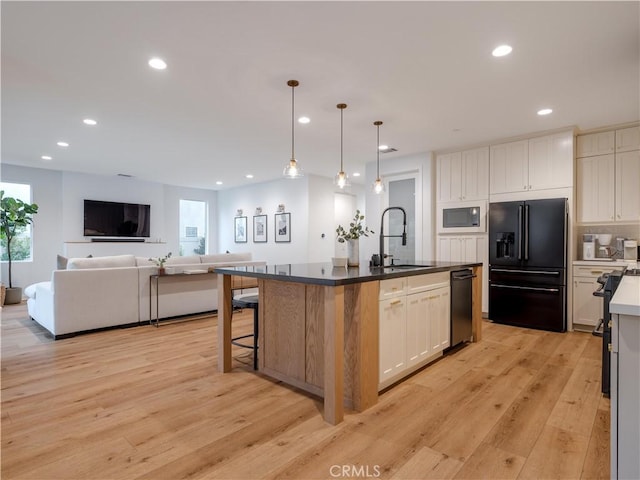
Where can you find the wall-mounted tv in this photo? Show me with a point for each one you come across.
(115, 219)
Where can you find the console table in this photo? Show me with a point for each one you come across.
(237, 283)
(155, 278)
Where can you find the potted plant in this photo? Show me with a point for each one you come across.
(15, 216)
(351, 235)
(160, 261)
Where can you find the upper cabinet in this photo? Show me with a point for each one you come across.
(463, 176)
(601, 143)
(551, 161)
(607, 189)
(535, 164)
(627, 139)
(508, 167)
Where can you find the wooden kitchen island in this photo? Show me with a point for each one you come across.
(319, 326)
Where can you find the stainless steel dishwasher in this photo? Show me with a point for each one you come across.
(461, 306)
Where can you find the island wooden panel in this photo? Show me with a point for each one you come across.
(476, 304)
(283, 333)
(314, 361)
(331, 341)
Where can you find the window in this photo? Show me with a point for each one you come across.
(21, 245)
(193, 227)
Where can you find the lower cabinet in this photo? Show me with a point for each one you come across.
(414, 325)
(587, 309)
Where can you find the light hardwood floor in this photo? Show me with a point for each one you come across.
(149, 403)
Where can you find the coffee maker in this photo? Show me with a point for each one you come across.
(588, 246)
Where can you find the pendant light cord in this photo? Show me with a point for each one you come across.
(378, 152)
(341, 130)
(292, 122)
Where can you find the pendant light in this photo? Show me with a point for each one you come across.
(342, 179)
(292, 170)
(378, 186)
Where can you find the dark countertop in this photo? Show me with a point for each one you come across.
(326, 274)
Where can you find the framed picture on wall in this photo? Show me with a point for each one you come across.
(283, 227)
(240, 229)
(259, 228)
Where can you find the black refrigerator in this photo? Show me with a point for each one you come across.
(528, 263)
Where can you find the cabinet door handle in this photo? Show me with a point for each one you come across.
(596, 272)
(396, 302)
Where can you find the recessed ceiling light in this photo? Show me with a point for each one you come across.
(545, 111)
(89, 121)
(304, 120)
(218, 182)
(501, 51)
(157, 63)
(46, 157)
(383, 147)
(249, 175)
(356, 174)
(62, 144)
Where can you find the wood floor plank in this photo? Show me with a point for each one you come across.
(576, 407)
(519, 428)
(557, 454)
(490, 462)
(148, 402)
(598, 461)
(428, 464)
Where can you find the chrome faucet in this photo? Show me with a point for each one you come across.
(383, 236)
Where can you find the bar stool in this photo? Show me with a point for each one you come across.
(248, 301)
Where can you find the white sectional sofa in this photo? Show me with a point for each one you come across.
(102, 292)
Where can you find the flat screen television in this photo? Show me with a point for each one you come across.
(115, 219)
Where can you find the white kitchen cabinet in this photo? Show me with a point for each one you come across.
(463, 176)
(587, 309)
(418, 328)
(538, 163)
(608, 188)
(625, 396)
(414, 324)
(449, 175)
(551, 161)
(628, 139)
(596, 189)
(592, 144)
(438, 305)
(467, 249)
(627, 186)
(508, 167)
(393, 325)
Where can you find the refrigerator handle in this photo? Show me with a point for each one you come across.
(526, 232)
(519, 232)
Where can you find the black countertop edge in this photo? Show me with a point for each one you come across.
(326, 274)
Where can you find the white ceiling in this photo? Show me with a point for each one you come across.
(222, 108)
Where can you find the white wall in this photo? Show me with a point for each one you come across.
(46, 191)
(423, 166)
(60, 217)
(80, 186)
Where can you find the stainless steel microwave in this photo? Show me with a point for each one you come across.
(462, 218)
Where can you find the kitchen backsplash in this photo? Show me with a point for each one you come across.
(627, 231)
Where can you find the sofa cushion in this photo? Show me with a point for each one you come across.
(113, 261)
(187, 260)
(225, 257)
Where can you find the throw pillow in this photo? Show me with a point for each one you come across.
(62, 262)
